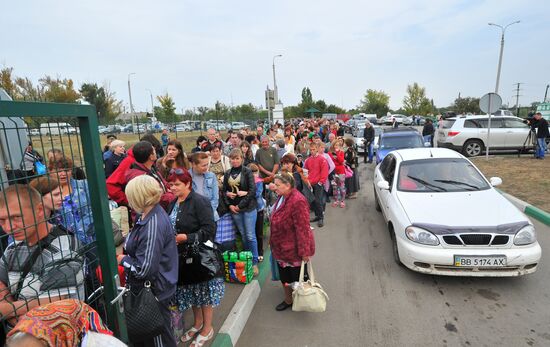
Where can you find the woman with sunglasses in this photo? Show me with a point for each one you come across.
(175, 158)
(239, 194)
(291, 237)
(193, 220)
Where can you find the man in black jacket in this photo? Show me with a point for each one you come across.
(428, 131)
(368, 136)
(540, 125)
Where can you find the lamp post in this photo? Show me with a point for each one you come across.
(131, 105)
(152, 107)
(503, 30)
(275, 90)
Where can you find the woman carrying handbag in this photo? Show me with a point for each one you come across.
(150, 263)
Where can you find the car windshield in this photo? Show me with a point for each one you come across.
(440, 175)
(394, 142)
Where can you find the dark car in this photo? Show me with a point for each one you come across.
(392, 139)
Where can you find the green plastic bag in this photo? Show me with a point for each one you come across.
(238, 267)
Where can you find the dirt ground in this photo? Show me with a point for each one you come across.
(526, 178)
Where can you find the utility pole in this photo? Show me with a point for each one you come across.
(517, 97)
(546, 92)
(503, 31)
(131, 105)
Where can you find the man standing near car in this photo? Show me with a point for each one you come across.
(428, 132)
(368, 136)
(540, 125)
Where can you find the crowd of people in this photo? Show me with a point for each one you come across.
(218, 192)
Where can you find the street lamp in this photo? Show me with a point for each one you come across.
(275, 90)
(152, 107)
(131, 105)
(503, 30)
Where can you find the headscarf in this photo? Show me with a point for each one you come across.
(61, 323)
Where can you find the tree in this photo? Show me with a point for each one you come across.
(107, 106)
(59, 90)
(466, 105)
(375, 102)
(307, 97)
(416, 102)
(7, 83)
(168, 107)
(334, 109)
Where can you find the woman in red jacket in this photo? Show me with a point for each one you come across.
(291, 237)
(339, 181)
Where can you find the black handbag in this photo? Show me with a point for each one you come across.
(199, 262)
(144, 318)
(308, 194)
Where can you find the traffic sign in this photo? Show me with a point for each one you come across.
(490, 103)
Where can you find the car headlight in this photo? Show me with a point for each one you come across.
(525, 236)
(421, 236)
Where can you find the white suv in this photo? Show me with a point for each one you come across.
(468, 134)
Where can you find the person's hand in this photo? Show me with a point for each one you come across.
(233, 209)
(242, 193)
(181, 238)
(231, 195)
(119, 258)
(305, 259)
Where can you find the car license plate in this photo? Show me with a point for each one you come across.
(480, 261)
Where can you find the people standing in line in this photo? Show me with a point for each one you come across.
(267, 158)
(193, 220)
(317, 168)
(239, 193)
(339, 180)
(235, 140)
(280, 147)
(30, 158)
(368, 142)
(350, 156)
(212, 135)
(175, 158)
(247, 153)
(291, 238)
(219, 163)
(118, 154)
(150, 251)
(289, 164)
(428, 131)
(540, 125)
(205, 182)
(331, 166)
(201, 143)
(260, 206)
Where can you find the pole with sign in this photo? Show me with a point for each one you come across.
(489, 103)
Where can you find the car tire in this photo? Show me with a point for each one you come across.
(377, 203)
(395, 249)
(473, 148)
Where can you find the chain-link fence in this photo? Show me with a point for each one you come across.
(56, 237)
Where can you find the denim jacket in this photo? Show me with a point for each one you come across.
(76, 213)
(211, 191)
(259, 192)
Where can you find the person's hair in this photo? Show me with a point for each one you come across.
(25, 194)
(143, 191)
(236, 152)
(181, 175)
(248, 153)
(111, 136)
(349, 142)
(181, 160)
(264, 137)
(60, 163)
(253, 167)
(142, 151)
(250, 138)
(217, 145)
(196, 158)
(115, 144)
(152, 140)
(538, 114)
(288, 158)
(286, 178)
(44, 185)
(240, 136)
(201, 139)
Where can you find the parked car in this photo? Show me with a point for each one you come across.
(57, 129)
(392, 139)
(468, 134)
(359, 140)
(238, 125)
(181, 127)
(34, 132)
(445, 218)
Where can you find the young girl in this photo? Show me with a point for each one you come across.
(260, 210)
(339, 181)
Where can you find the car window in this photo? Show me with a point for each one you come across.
(388, 170)
(514, 123)
(495, 123)
(394, 142)
(472, 123)
(448, 123)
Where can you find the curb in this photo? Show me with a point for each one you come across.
(530, 210)
(235, 322)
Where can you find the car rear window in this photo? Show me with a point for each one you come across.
(448, 123)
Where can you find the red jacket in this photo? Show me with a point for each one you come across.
(318, 169)
(338, 160)
(291, 237)
(117, 181)
(137, 169)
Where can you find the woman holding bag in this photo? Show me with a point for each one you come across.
(193, 220)
(291, 237)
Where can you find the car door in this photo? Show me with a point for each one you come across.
(516, 133)
(388, 172)
(497, 134)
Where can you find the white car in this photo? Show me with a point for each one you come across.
(360, 141)
(181, 127)
(445, 218)
(238, 125)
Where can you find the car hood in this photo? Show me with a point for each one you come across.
(481, 208)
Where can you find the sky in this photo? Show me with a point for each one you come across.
(203, 51)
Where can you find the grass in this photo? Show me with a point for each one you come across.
(523, 177)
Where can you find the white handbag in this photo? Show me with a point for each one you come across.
(309, 296)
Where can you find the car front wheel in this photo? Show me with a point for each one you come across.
(377, 203)
(395, 250)
(472, 148)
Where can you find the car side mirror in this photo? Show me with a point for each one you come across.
(383, 185)
(427, 144)
(495, 181)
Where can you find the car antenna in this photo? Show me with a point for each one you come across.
(431, 154)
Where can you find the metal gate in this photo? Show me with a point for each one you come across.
(66, 137)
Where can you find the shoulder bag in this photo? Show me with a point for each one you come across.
(144, 318)
(199, 262)
(309, 296)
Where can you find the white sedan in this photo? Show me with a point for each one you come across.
(445, 218)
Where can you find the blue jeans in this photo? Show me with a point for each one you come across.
(246, 224)
(369, 150)
(541, 148)
(427, 138)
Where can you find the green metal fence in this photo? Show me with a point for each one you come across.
(68, 141)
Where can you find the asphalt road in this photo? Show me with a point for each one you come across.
(375, 302)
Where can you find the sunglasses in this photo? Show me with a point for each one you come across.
(177, 171)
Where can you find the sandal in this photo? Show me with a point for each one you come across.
(342, 204)
(201, 340)
(190, 334)
(335, 204)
